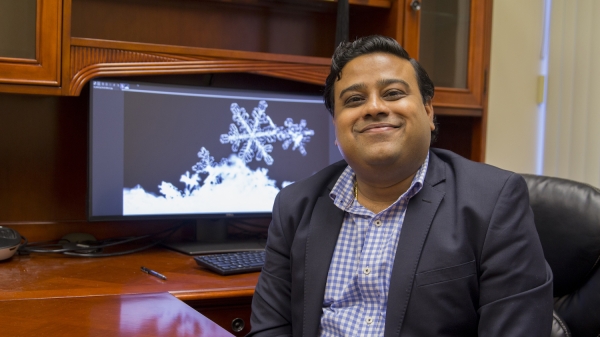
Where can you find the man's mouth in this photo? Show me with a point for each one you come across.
(378, 127)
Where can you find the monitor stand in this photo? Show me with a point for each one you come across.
(211, 238)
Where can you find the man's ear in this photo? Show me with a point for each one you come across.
(429, 111)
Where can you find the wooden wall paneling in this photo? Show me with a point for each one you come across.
(285, 28)
(455, 134)
(366, 21)
(43, 143)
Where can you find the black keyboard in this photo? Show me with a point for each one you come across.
(232, 263)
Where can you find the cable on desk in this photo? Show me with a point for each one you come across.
(94, 249)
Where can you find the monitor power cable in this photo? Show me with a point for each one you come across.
(95, 248)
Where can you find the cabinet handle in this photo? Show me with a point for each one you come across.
(238, 325)
(415, 5)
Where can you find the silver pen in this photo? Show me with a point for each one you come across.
(154, 273)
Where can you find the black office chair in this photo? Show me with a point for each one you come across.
(567, 217)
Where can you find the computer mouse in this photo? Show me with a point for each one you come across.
(10, 240)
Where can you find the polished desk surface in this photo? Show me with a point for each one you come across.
(111, 292)
(114, 315)
(55, 275)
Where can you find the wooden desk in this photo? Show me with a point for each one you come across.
(36, 278)
(113, 315)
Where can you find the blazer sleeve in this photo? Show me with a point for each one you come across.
(515, 296)
(271, 311)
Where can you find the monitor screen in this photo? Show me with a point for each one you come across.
(167, 151)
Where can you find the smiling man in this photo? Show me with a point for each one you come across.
(399, 239)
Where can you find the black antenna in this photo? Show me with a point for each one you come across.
(342, 29)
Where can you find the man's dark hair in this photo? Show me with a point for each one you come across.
(347, 51)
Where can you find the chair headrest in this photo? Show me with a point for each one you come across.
(567, 217)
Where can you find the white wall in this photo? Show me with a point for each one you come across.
(512, 129)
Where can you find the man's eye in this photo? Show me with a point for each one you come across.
(353, 100)
(394, 94)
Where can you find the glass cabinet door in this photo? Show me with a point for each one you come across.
(17, 29)
(444, 41)
(30, 41)
(448, 37)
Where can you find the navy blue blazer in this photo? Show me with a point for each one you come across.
(469, 260)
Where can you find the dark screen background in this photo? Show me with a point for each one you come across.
(163, 134)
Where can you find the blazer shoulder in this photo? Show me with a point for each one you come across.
(463, 168)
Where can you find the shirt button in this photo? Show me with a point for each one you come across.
(367, 271)
(378, 223)
(369, 320)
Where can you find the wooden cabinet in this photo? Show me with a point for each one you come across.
(453, 45)
(291, 39)
(232, 314)
(30, 42)
(451, 39)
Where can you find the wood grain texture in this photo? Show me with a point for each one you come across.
(44, 275)
(93, 59)
(478, 56)
(45, 68)
(141, 315)
(50, 288)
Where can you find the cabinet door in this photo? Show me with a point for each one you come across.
(30, 41)
(232, 314)
(450, 38)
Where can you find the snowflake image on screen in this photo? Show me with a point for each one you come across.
(251, 137)
(256, 139)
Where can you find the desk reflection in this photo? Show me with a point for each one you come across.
(141, 315)
(162, 315)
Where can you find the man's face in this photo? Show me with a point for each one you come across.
(379, 116)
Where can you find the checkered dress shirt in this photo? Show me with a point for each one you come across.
(356, 293)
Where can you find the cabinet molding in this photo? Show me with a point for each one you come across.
(100, 58)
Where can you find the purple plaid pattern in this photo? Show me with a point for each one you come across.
(356, 292)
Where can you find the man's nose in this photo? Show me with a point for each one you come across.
(375, 106)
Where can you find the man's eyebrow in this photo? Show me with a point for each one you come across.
(382, 83)
(388, 81)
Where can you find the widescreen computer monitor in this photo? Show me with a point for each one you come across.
(163, 151)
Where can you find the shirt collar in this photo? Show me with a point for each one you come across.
(342, 193)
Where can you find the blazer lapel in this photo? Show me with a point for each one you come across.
(419, 216)
(325, 225)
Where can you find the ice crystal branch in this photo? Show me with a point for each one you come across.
(296, 134)
(252, 137)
